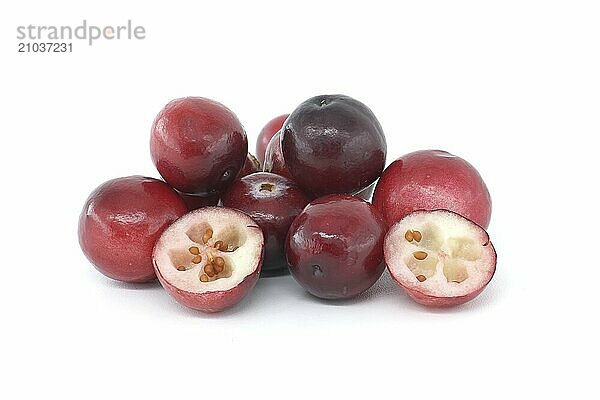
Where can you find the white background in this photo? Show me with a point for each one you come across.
(511, 86)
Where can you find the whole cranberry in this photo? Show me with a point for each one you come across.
(334, 247)
(274, 161)
(120, 222)
(333, 144)
(272, 201)
(198, 145)
(265, 135)
(432, 180)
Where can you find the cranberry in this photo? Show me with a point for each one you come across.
(334, 247)
(273, 202)
(439, 258)
(120, 222)
(198, 145)
(431, 180)
(265, 135)
(210, 258)
(333, 144)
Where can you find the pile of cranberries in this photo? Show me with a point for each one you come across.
(218, 220)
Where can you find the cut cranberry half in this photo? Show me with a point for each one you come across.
(210, 258)
(439, 257)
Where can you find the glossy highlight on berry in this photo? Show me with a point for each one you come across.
(334, 247)
(198, 145)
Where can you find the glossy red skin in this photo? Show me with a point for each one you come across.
(198, 145)
(120, 222)
(431, 180)
(440, 302)
(274, 161)
(266, 134)
(276, 164)
(195, 201)
(211, 302)
(251, 165)
(274, 211)
(333, 144)
(334, 247)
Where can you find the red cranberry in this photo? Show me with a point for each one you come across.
(120, 222)
(265, 135)
(333, 144)
(334, 247)
(431, 180)
(273, 202)
(198, 145)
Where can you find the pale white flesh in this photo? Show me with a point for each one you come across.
(460, 259)
(242, 258)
